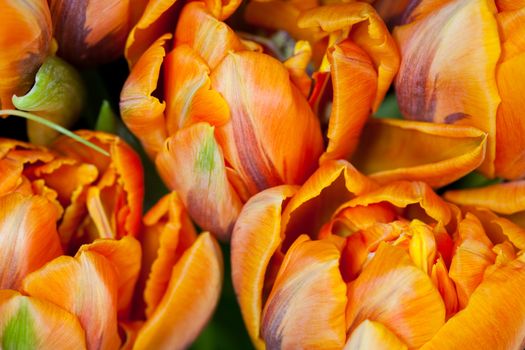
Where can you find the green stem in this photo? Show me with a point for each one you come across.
(53, 126)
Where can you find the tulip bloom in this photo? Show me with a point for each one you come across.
(345, 262)
(235, 121)
(462, 63)
(145, 289)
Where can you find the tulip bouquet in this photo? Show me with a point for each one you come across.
(269, 174)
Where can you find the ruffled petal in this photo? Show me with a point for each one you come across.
(28, 236)
(141, 111)
(273, 137)
(255, 238)
(438, 154)
(395, 293)
(192, 294)
(448, 71)
(306, 306)
(192, 164)
(373, 335)
(31, 323)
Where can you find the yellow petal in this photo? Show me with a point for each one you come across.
(28, 236)
(255, 238)
(422, 248)
(438, 154)
(192, 164)
(305, 309)
(192, 294)
(373, 335)
(264, 103)
(494, 317)
(141, 111)
(395, 293)
(31, 323)
(448, 71)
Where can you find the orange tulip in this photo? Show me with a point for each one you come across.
(462, 63)
(51, 201)
(91, 32)
(343, 262)
(234, 121)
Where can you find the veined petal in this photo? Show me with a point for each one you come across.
(95, 306)
(297, 66)
(333, 184)
(354, 83)
(255, 238)
(448, 71)
(141, 111)
(28, 236)
(494, 317)
(305, 308)
(392, 291)
(192, 294)
(445, 285)
(192, 164)
(125, 255)
(31, 323)
(510, 5)
(211, 38)
(155, 20)
(373, 335)
(90, 32)
(175, 235)
(366, 29)
(25, 38)
(438, 154)
(187, 91)
(268, 116)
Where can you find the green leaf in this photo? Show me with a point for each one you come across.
(107, 120)
(389, 108)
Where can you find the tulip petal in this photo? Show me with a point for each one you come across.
(96, 306)
(268, 116)
(445, 285)
(222, 9)
(176, 236)
(373, 335)
(255, 238)
(297, 66)
(189, 98)
(28, 236)
(125, 256)
(334, 183)
(90, 32)
(156, 19)
(354, 83)
(30, 323)
(211, 38)
(472, 256)
(503, 198)
(393, 150)
(192, 164)
(417, 198)
(392, 291)
(305, 308)
(192, 294)
(143, 113)
(448, 71)
(25, 39)
(367, 30)
(494, 317)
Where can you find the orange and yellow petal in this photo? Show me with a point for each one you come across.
(438, 154)
(306, 307)
(255, 238)
(192, 294)
(373, 335)
(193, 165)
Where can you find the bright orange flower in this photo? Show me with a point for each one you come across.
(233, 121)
(343, 262)
(51, 202)
(462, 63)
